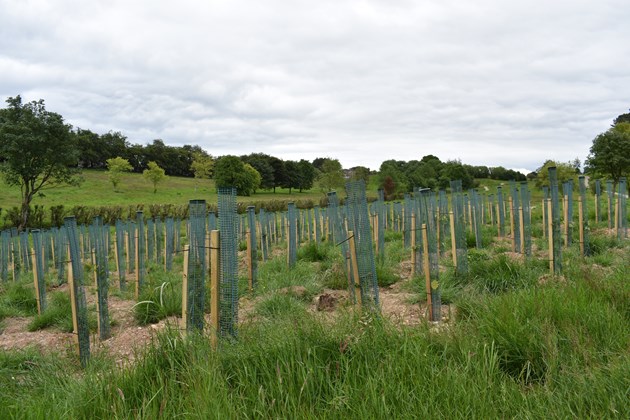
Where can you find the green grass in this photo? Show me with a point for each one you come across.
(17, 299)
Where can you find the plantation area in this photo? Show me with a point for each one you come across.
(514, 338)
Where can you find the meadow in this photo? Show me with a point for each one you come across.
(514, 342)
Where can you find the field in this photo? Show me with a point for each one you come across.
(514, 340)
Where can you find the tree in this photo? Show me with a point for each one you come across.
(202, 165)
(622, 118)
(391, 177)
(230, 171)
(360, 172)
(262, 163)
(306, 175)
(116, 167)
(37, 149)
(154, 174)
(331, 175)
(610, 153)
(564, 171)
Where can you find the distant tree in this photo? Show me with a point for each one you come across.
(360, 172)
(622, 118)
(154, 174)
(610, 153)
(392, 169)
(252, 179)
(262, 163)
(280, 173)
(318, 163)
(36, 150)
(389, 187)
(230, 171)
(306, 175)
(565, 172)
(453, 170)
(116, 167)
(331, 175)
(202, 165)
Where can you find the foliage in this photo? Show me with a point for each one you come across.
(610, 153)
(230, 171)
(202, 165)
(331, 175)
(565, 172)
(360, 172)
(37, 149)
(263, 164)
(116, 167)
(154, 174)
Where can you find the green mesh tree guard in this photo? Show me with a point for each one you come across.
(567, 191)
(610, 200)
(545, 211)
(359, 222)
(141, 251)
(120, 254)
(382, 222)
(501, 205)
(131, 244)
(178, 235)
(445, 226)
(429, 208)
(477, 210)
(622, 196)
(292, 234)
(46, 244)
(598, 196)
(83, 332)
(514, 214)
(17, 259)
(555, 218)
(197, 268)
(228, 226)
(417, 211)
(584, 227)
(38, 249)
(61, 257)
(527, 225)
(264, 234)
(159, 241)
(169, 243)
(317, 222)
(151, 240)
(251, 223)
(99, 241)
(457, 199)
(24, 252)
(408, 210)
(5, 246)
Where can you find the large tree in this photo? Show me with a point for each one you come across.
(37, 150)
(230, 171)
(610, 153)
(331, 175)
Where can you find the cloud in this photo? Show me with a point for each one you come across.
(489, 82)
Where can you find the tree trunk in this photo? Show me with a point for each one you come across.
(25, 213)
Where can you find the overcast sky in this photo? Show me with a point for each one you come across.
(488, 82)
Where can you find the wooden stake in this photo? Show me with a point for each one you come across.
(521, 219)
(95, 276)
(355, 266)
(414, 263)
(544, 225)
(550, 235)
(184, 322)
(137, 258)
(581, 225)
(73, 302)
(427, 269)
(214, 287)
(453, 244)
(36, 282)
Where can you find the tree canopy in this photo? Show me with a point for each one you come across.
(154, 174)
(230, 171)
(116, 167)
(37, 150)
(610, 153)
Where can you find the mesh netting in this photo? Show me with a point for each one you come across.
(359, 222)
(527, 219)
(99, 241)
(5, 245)
(120, 254)
(131, 245)
(408, 210)
(515, 207)
(318, 236)
(195, 293)
(253, 244)
(598, 196)
(429, 210)
(555, 220)
(141, 253)
(584, 241)
(38, 269)
(622, 198)
(150, 240)
(228, 282)
(477, 216)
(24, 251)
(545, 212)
(169, 243)
(159, 241)
(82, 329)
(460, 230)
(292, 235)
(264, 234)
(501, 212)
(609, 202)
(567, 191)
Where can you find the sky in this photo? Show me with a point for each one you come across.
(495, 83)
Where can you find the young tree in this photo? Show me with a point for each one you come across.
(154, 174)
(37, 149)
(610, 153)
(565, 172)
(116, 167)
(331, 175)
(202, 165)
